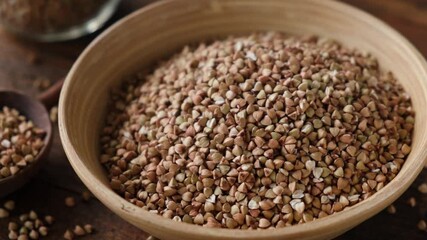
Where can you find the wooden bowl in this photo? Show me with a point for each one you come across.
(33, 110)
(159, 30)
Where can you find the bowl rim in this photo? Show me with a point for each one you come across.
(361, 210)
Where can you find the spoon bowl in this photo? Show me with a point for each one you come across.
(33, 110)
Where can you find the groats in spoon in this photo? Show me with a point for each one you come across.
(34, 110)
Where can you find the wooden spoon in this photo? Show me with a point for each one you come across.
(34, 110)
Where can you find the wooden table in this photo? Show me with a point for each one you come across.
(57, 180)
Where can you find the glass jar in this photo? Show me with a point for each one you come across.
(55, 20)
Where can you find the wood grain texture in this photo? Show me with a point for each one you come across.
(57, 180)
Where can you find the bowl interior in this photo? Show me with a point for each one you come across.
(158, 30)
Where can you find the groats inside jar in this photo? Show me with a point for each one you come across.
(37, 17)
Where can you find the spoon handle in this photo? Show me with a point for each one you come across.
(50, 97)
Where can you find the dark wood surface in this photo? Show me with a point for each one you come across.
(56, 180)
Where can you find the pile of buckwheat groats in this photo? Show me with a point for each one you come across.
(20, 142)
(257, 131)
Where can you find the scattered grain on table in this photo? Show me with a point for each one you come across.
(53, 114)
(32, 215)
(33, 57)
(152, 238)
(68, 235)
(86, 195)
(70, 201)
(422, 188)
(42, 83)
(30, 226)
(4, 213)
(13, 235)
(391, 209)
(49, 219)
(422, 225)
(79, 231)
(412, 202)
(43, 231)
(9, 205)
(34, 234)
(23, 237)
(12, 226)
(88, 228)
